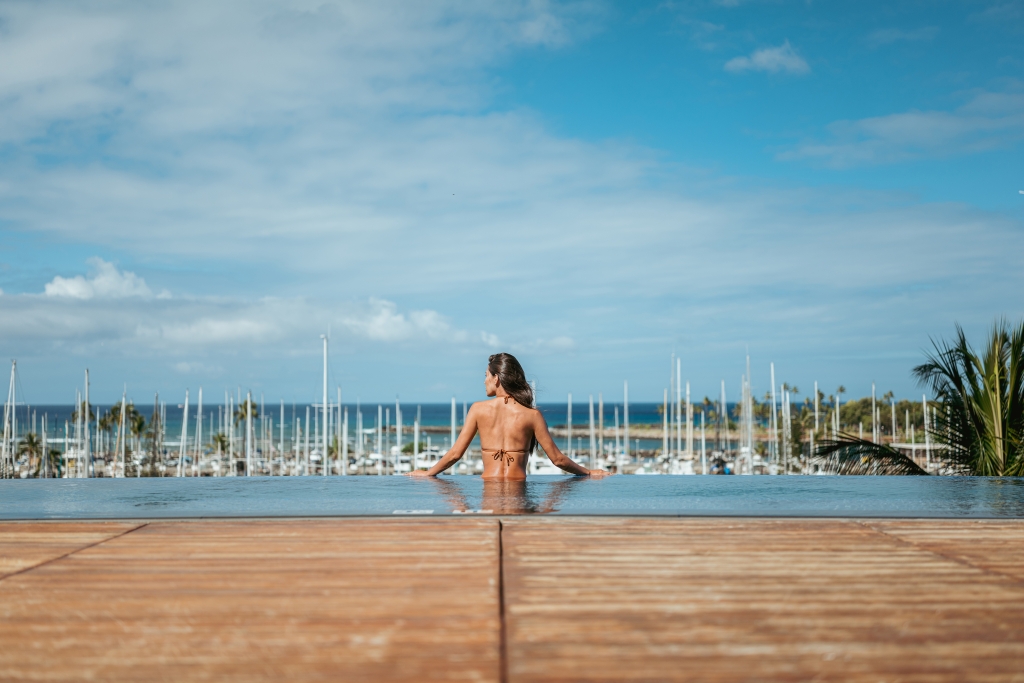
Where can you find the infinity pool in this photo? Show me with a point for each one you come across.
(795, 496)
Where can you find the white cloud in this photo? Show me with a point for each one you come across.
(184, 67)
(772, 60)
(490, 339)
(207, 331)
(887, 36)
(555, 345)
(197, 368)
(107, 283)
(161, 326)
(1008, 14)
(562, 344)
(381, 321)
(989, 120)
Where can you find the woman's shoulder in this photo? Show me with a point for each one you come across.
(486, 404)
(533, 412)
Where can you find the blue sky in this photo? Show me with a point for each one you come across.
(191, 194)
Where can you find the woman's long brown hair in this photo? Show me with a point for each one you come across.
(510, 374)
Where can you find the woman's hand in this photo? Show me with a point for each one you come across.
(417, 473)
(599, 474)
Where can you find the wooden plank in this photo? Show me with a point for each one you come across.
(989, 544)
(297, 600)
(750, 600)
(27, 544)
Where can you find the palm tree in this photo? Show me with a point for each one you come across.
(220, 440)
(241, 408)
(136, 422)
(83, 409)
(980, 421)
(32, 448)
(108, 422)
(55, 462)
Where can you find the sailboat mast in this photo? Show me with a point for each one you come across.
(703, 447)
(775, 421)
(8, 445)
(689, 424)
(398, 433)
(324, 460)
(664, 424)
(248, 434)
(182, 450)
(344, 443)
(568, 427)
(199, 435)
(88, 441)
(453, 429)
(121, 437)
(415, 441)
(723, 419)
(678, 406)
(593, 442)
(625, 418)
(874, 423)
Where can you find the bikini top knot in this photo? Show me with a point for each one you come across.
(503, 454)
(507, 398)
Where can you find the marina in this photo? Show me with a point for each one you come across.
(241, 437)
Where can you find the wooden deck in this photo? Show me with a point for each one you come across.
(513, 599)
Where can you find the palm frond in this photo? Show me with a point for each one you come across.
(1015, 403)
(847, 454)
(980, 400)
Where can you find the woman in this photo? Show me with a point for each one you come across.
(510, 427)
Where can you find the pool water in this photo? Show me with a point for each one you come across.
(780, 496)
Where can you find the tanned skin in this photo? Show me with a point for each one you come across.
(506, 431)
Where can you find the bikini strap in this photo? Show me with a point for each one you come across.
(502, 454)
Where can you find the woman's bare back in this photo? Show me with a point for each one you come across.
(506, 435)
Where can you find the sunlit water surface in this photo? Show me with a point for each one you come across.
(793, 496)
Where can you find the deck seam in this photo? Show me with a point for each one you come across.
(23, 570)
(502, 631)
(958, 560)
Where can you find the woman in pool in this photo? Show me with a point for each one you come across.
(510, 427)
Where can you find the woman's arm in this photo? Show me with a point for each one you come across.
(456, 452)
(557, 457)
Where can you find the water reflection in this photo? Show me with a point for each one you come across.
(509, 497)
(171, 497)
(1006, 496)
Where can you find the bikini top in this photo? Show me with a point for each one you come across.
(503, 453)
